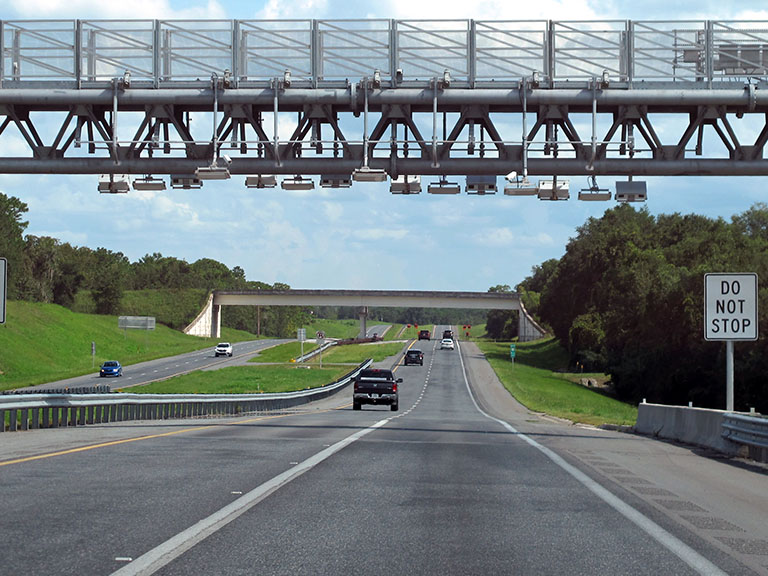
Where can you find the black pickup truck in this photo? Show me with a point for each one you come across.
(375, 386)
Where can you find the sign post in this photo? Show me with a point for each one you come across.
(512, 353)
(730, 314)
(3, 287)
(320, 342)
(301, 335)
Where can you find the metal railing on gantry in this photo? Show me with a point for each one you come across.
(327, 53)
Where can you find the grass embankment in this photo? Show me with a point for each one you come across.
(532, 380)
(476, 332)
(284, 377)
(346, 328)
(174, 308)
(42, 343)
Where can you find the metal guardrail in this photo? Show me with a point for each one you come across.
(33, 411)
(101, 389)
(315, 352)
(746, 430)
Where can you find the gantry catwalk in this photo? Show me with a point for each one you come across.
(378, 99)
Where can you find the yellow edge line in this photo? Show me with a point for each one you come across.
(127, 440)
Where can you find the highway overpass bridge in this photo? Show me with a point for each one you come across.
(208, 322)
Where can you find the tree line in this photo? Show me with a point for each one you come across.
(627, 298)
(44, 269)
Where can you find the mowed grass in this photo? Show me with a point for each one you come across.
(356, 353)
(287, 377)
(42, 343)
(246, 380)
(283, 352)
(393, 333)
(476, 331)
(532, 380)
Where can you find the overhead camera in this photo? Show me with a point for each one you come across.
(511, 177)
(226, 159)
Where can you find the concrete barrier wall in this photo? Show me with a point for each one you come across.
(697, 426)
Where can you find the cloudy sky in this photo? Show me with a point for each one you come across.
(363, 237)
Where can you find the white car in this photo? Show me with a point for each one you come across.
(223, 349)
(446, 344)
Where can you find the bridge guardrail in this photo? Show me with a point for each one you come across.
(33, 411)
(750, 431)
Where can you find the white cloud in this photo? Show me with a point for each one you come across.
(100, 9)
(383, 234)
(509, 238)
(489, 10)
(281, 9)
(333, 211)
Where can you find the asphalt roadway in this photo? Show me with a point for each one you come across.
(462, 480)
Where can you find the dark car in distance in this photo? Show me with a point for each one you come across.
(414, 356)
(424, 335)
(111, 368)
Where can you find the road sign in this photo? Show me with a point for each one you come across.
(301, 334)
(3, 287)
(512, 351)
(137, 322)
(730, 306)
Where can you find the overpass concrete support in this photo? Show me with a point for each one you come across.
(363, 312)
(208, 322)
(528, 328)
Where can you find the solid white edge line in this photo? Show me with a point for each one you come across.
(151, 561)
(673, 544)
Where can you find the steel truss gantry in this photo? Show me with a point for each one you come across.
(620, 98)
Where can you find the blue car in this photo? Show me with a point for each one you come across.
(111, 368)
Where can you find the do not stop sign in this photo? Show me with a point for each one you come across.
(730, 307)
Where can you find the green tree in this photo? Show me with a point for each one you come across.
(501, 324)
(155, 271)
(107, 280)
(40, 269)
(69, 278)
(12, 229)
(211, 275)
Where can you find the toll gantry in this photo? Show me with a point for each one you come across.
(139, 101)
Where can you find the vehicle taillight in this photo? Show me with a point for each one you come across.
(355, 385)
(394, 387)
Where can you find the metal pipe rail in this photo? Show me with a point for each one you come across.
(323, 53)
(33, 411)
(751, 431)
